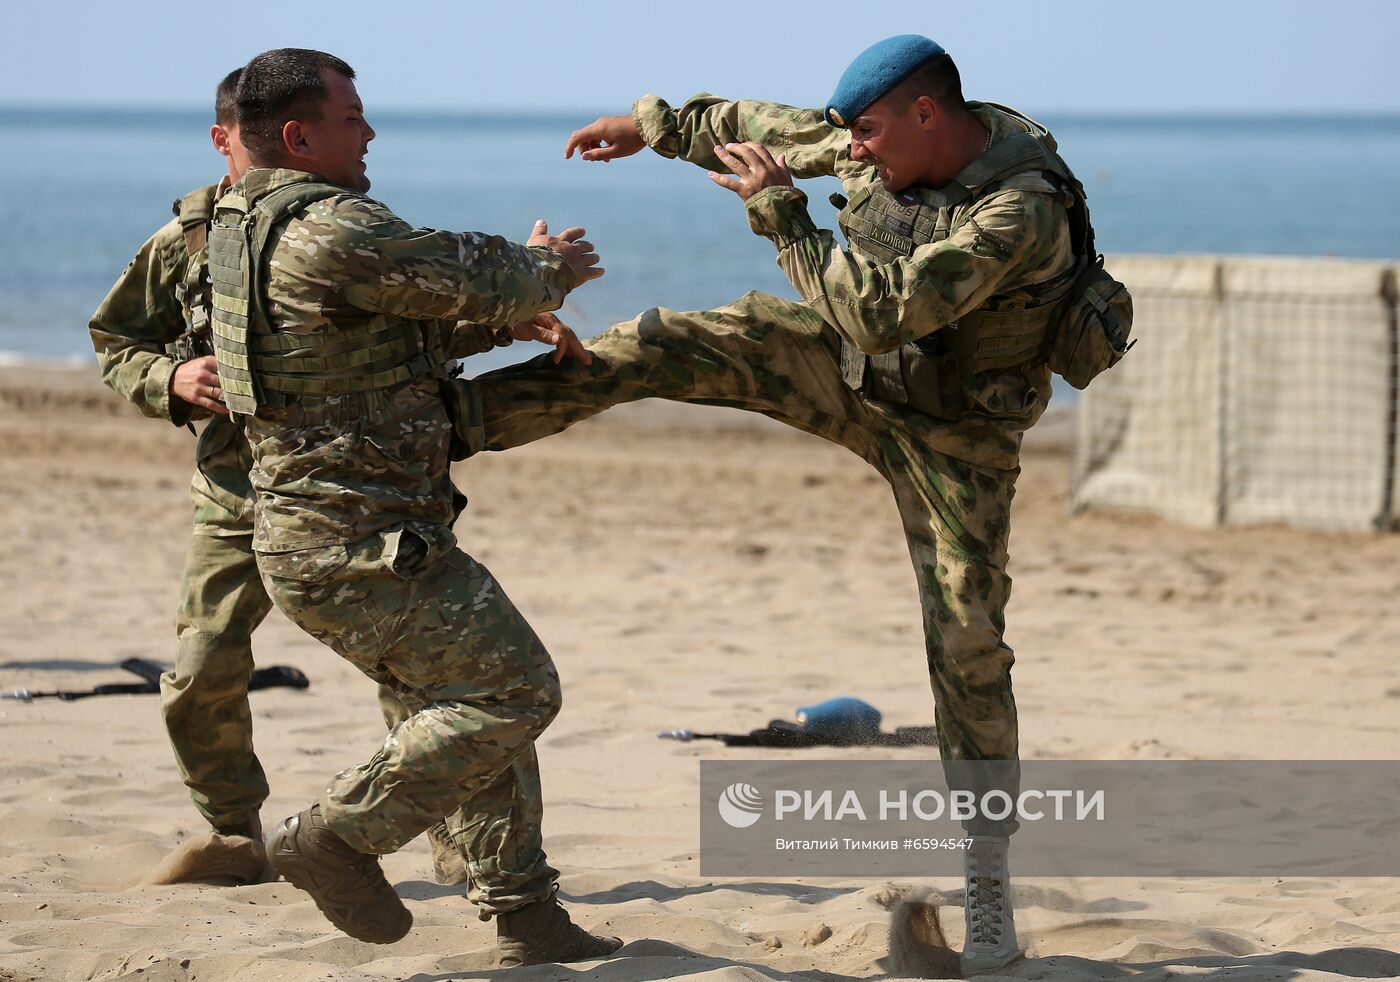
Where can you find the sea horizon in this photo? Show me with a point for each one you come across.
(88, 183)
(16, 111)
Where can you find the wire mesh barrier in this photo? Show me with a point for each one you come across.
(1263, 390)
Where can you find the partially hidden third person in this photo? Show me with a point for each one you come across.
(147, 334)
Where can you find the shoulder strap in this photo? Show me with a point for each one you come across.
(1081, 228)
(256, 222)
(998, 165)
(194, 211)
(266, 213)
(273, 208)
(1039, 129)
(858, 197)
(1012, 155)
(230, 318)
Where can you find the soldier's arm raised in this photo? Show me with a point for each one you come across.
(138, 318)
(880, 306)
(388, 266)
(812, 147)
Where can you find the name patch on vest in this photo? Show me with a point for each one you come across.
(901, 244)
(899, 218)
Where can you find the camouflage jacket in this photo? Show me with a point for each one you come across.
(1017, 235)
(1010, 239)
(339, 469)
(140, 318)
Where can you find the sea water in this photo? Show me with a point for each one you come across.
(81, 189)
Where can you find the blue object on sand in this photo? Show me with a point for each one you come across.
(843, 720)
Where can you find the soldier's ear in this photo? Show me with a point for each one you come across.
(220, 138)
(926, 111)
(294, 138)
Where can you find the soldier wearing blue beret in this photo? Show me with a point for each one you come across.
(921, 346)
(878, 69)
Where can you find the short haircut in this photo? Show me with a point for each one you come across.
(226, 99)
(278, 86)
(936, 78)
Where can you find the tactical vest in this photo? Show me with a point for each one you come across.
(933, 373)
(193, 212)
(258, 366)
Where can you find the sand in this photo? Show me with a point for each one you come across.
(686, 568)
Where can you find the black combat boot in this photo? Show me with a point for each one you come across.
(347, 885)
(542, 932)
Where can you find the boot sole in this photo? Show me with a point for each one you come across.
(985, 964)
(326, 888)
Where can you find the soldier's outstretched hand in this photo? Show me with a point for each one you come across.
(606, 138)
(571, 246)
(549, 329)
(754, 169)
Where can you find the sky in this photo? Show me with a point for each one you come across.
(1089, 56)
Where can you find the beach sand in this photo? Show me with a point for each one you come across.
(687, 568)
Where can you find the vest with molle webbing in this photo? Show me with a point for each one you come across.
(193, 293)
(932, 373)
(258, 366)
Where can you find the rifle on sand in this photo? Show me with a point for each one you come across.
(781, 733)
(150, 672)
(840, 722)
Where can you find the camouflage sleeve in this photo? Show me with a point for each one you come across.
(467, 339)
(384, 265)
(1012, 238)
(814, 148)
(135, 322)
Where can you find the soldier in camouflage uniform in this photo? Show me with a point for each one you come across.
(920, 349)
(151, 335)
(148, 356)
(333, 320)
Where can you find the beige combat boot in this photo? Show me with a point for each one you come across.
(228, 855)
(347, 885)
(990, 942)
(542, 932)
(449, 866)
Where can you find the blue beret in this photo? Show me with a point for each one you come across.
(875, 71)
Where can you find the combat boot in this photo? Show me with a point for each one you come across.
(990, 942)
(251, 829)
(449, 867)
(542, 932)
(226, 855)
(347, 885)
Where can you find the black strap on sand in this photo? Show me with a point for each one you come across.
(273, 676)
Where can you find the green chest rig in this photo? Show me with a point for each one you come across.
(193, 292)
(933, 373)
(260, 367)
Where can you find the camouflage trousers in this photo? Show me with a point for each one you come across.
(478, 840)
(778, 358)
(205, 699)
(423, 618)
